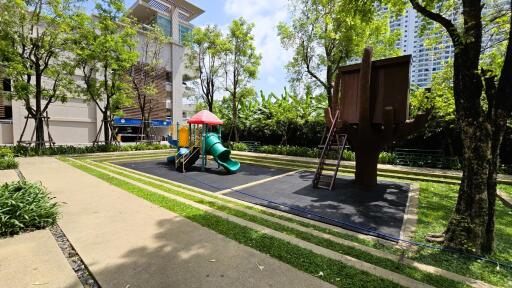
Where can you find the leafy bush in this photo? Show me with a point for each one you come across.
(349, 155)
(21, 150)
(25, 206)
(239, 146)
(7, 160)
(289, 151)
(8, 163)
(6, 152)
(387, 158)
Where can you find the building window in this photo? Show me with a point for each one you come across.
(164, 24)
(6, 85)
(183, 31)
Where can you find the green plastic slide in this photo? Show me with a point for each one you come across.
(220, 153)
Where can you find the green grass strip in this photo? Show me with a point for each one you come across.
(334, 272)
(406, 270)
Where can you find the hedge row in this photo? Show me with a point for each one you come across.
(384, 157)
(23, 151)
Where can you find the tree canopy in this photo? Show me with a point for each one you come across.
(325, 35)
(104, 46)
(35, 37)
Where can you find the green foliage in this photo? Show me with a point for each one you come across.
(145, 74)
(207, 49)
(241, 67)
(21, 150)
(285, 119)
(8, 163)
(325, 35)
(35, 41)
(6, 152)
(25, 206)
(239, 146)
(7, 160)
(105, 50)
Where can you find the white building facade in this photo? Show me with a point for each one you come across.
(77, 122)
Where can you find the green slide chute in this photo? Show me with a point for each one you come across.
(220, 153)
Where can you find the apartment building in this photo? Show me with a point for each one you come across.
(427, 60)
(76, 122)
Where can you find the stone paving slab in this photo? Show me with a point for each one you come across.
(8, 176)
(126, 240)
(34, 260)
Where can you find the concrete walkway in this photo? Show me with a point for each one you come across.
(8, 176)
(33, 259)
(126, 240)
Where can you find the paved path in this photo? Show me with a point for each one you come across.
(8, 176)
(34, 260)
(128, 241)
(34, 255)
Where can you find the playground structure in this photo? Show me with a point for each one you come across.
(197, 141)
(370, 109)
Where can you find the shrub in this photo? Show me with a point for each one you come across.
(387, 158)
(7, 160)
(239, 146)
(8, 163)
(6, 152)
(25, 206)
(21, 150)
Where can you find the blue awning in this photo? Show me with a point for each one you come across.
(118, 121)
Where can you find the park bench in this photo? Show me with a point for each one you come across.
(421, 158)
(252, 146)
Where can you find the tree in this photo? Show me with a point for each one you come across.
(207, 47)
(145, 74)
(104, 48)
(241, 67)
(483, 104)
(327, 34)
(34, 41)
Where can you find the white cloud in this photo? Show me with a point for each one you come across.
(265, 14)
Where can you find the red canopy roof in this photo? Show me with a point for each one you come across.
(205, 117)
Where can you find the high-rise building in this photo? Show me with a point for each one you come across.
(425, 60)
(429, 59)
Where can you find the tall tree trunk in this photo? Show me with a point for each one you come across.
(38, 124)
(467, 227)
(106, 127)
(234, 118)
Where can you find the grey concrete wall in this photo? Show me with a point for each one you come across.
(73, 122)
(6, 133)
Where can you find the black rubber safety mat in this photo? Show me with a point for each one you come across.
(213, 179)
(378, 212)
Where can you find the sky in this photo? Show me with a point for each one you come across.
(265, 14)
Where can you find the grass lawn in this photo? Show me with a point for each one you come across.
(506, 188)
(435, 207)
(436, 204)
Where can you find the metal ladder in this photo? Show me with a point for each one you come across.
(334, 142)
